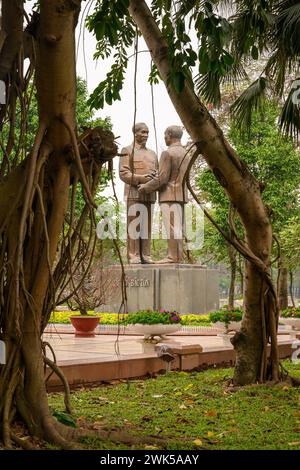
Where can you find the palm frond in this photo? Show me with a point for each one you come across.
(276, 69)
(251, 24)
(208, 87)
(285, 35)
(288, 22)
(250, 100)
(289, 120)
(235, 74)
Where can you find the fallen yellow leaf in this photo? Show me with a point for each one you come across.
(210, 434)
(189, 386)
(198, 442)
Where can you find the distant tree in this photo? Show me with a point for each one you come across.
(274, 161)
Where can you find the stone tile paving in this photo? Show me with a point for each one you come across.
(103, 347)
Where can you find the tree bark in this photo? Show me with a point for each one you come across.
(12, 34)
(34, 234)
(243, 191)
(34, 200)
(233, 265)
(241, 273)
(292, 288)
(282, 287)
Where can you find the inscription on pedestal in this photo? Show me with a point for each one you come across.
(137, 282)
(185, 288)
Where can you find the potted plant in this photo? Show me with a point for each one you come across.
(153, 323)
(228, 320)
(84, 300)
(291, 317)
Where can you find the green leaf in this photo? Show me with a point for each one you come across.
(254, 52)
(100, 30)
(204, 65)
(178, 81)
(65, 418)
(228, 59)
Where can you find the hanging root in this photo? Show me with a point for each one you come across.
(60, 374)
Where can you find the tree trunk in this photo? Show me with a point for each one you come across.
(241, 273)
(244, 193)
(34, 200)
(233, 264)
(33, 230)
(12, 31)
(282, 287)
(292, 288)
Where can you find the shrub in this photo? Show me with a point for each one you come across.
(151, 317)
(226, 315)
(114, 318)
(64, 317)
(293, 312)
(195, 320)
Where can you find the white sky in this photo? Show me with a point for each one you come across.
(122, 112)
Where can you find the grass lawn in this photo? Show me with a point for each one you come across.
(192, 411)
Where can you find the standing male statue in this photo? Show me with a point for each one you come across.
(172, 192)
(138, 167)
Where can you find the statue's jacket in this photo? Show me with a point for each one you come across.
(144, 162)
(173, 164)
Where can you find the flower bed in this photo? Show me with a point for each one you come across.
(226, 315)
(291, 317)
(153, 323)
(115, 319)
(291, 312)
(152, 317)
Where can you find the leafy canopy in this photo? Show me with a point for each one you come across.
(209, 45)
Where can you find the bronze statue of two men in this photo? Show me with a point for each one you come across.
(143, 177)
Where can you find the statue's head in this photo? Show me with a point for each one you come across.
(173, 134)
(141, 133)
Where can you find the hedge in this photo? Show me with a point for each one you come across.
(114, 318)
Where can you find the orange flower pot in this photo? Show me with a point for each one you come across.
(85, 325)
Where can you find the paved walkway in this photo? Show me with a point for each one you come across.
(106, 357)
(67, 347)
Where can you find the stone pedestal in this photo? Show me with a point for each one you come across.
(181, 287)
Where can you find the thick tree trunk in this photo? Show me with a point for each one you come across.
(233, 264)
(32, 247)
(34, 199)
(244, 193)
(282, 287)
